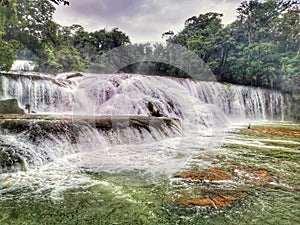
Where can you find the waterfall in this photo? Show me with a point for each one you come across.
(180, 98)
(196, 107)
(22, 65)
(125, 94)
(43, 93)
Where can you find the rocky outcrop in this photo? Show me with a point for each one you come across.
(10, 106)
(77, 74)
(152, 111)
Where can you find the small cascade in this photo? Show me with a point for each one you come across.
(238, 101)
(44, 94)
(22, 65)
(33, 143)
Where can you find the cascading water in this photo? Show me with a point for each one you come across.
(22, 65)
(44, 94)
(202, 104)
(124, 94)
(201, 111)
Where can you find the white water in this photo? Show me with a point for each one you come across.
(204, 110)
(124, 94)
(22, 65)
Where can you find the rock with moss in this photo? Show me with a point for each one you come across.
(10, 106)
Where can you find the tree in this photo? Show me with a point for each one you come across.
(250, 50)
(34, 25)
(257, 17)
(7, 14)
(206, 37)
(63, 59)
(24, 24)
(107, 40)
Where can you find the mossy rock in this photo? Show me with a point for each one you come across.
(10, 106)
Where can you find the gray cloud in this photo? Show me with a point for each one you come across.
(142, 20)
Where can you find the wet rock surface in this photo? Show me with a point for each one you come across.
(10, 160)
(10, 106)
(253, 175)
(208, 193)
(276, 132)
(211, 174)
(19, 123)
(215, 198)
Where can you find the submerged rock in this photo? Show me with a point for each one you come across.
(207, 194)
(211, 174)
(215, 198)
(10, 106)
(276, 132)
(253, 175)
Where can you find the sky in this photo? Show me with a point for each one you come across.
(142, 20)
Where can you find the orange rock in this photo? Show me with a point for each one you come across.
(278, 132)
(211, 174)
(195, 202)
(263, 173)
(215, 199)
(258, 176)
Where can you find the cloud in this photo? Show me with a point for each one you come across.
(142, 20)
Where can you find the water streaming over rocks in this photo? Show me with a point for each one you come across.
(102, 122)
(201, 106)
(125, 94)
(23, 65)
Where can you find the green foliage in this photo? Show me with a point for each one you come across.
(248, 51)
(260, 48)
(92, 45)
(7, 15)
(57, 2)
(56, 48)
(7, 54)
(61, 60)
